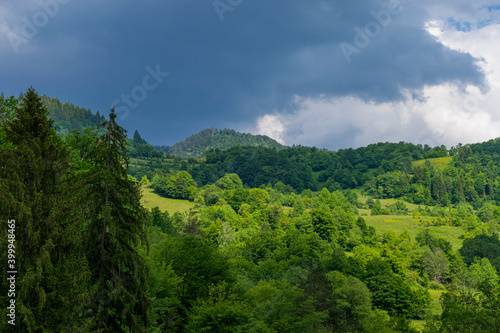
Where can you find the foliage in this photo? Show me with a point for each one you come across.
(322, 222)
(7, 113)
(426, 238)
(392, 294)
(481, 246)
(138, 147)
(212, 138)
(221, 312)
(436, 264)
(179, 185)
(68, 117)
(199, 264)
(283, 239)
(350, 304)
(116, 226)
(303, 167)
(468, 311)
(38, 192)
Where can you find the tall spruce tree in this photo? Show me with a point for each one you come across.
(138, 138)
(37, 191)
(115, 228)
(7, 108)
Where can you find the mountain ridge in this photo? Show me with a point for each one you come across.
(195, 145)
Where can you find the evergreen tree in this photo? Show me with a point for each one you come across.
(117, 225)
(36, 190)
(7, 109)
(439, 190)
(138, 138)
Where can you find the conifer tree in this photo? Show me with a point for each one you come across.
(37, 192)
(138, 138)
(116, 226)
(7, 108)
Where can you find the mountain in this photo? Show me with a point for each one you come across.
(68, 117)
(212, 138)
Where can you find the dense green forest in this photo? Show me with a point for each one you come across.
(313, 168)
(212, 138)
(467, 173)
(68, 117)
(278, 240)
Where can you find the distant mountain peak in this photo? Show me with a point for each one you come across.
(213, 138)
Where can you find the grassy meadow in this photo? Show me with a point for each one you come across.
(437, 163)
(150, 199)
(413, 225)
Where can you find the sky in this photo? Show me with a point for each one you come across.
(331, 74)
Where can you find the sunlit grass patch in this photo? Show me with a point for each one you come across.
(437, 163)
(413, 225)
(150, 199)
(436, 304)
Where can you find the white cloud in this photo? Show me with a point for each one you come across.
(475, 12)
(445, 114)
(272, 126)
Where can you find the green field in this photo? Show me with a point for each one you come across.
(151, 199)
(412, 224)
(385, 202)
(437, 163)
(436, 304)
(399, 224)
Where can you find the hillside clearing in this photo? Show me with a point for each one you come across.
(150, 199)
(413, 225)
(437, 163)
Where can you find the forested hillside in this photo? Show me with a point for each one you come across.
(392, 237)
(68, 117)
(212, 138)
(415, 173)
(313, 168)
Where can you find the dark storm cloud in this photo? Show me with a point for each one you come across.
(256, 59)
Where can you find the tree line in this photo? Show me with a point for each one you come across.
(212, 138)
